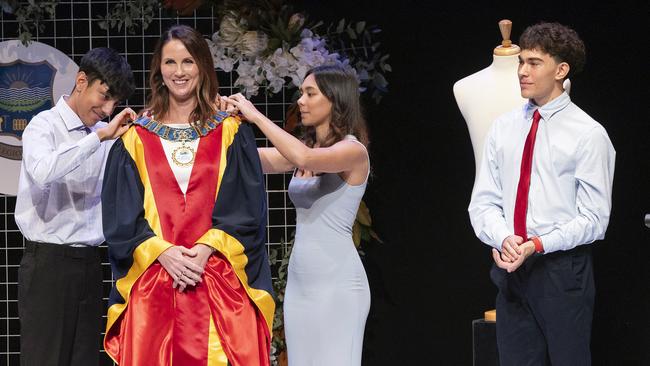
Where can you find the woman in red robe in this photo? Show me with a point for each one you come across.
(184, 215)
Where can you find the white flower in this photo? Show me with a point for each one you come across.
(222, 57)
(279, 63)
(276, 84)
(250, 76)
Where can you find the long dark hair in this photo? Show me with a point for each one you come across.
(341, 88)
(208, 86)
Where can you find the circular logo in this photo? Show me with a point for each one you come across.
(31, 80)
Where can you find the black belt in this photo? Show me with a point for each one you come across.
(63, 250)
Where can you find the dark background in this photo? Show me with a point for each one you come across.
(430, 277)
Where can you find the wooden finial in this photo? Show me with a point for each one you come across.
(505, 26)
(506, 48)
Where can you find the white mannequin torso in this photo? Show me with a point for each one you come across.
(485, 95)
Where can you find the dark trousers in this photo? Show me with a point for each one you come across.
(60, 305)
(545, 309)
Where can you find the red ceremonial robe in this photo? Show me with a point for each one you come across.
(227, 318)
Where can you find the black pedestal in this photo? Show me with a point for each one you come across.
(484, 334)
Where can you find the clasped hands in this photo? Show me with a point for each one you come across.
(514, 252)
(185, 265)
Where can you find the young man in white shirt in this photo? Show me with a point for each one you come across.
(543, 194)
(58, 211)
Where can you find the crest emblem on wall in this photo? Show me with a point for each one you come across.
(32, 79)
(25, 90)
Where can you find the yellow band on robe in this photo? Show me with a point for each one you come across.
(216, 354)
(233, 251)
(228, 132)
(134, 147)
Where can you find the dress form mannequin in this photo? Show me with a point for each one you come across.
(488, 93)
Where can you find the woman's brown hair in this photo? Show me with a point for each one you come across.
(341, 88)
(208, 86)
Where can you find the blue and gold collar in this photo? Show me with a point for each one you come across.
(181, 134)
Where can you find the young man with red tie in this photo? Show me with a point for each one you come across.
(543, 194)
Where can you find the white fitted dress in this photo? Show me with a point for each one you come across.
(327, 298)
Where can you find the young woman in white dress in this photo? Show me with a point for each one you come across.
(327, 298)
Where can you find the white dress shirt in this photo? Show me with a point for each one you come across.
(570, 193)
(59, 191)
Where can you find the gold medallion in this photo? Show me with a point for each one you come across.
(183, 155)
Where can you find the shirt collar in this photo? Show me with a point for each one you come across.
(70, 118)
(549, 109)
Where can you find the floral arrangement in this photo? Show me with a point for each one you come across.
(273, 71)
(268, 45)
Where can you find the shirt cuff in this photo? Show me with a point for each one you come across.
(501, 235)
(552, 242)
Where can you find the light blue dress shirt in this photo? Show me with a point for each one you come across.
(569, 201)
(61, 177)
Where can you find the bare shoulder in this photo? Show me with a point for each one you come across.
(352, 146)
(357, 155)
(358, 161)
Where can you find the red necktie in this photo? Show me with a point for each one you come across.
(521, 204)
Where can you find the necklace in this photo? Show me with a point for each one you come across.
(183, 155)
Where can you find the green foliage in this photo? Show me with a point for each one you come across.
(362, 232)
(29, 16)
(131, 15)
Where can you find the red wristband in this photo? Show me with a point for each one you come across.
(539, 248)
